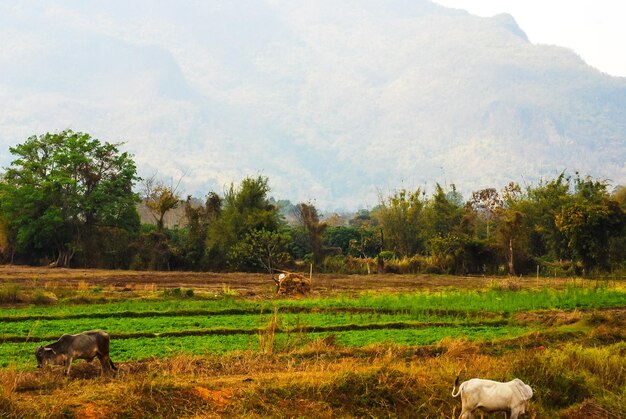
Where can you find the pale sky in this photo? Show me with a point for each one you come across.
(594, 29)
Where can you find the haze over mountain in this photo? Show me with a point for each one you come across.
(335, 102)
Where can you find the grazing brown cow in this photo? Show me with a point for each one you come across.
(86, 345)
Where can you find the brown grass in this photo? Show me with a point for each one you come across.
(588, 409)
(267, 336)
(320, 380)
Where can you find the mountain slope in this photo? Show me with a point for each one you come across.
(335, 102)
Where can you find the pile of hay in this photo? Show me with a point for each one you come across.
(292, 284)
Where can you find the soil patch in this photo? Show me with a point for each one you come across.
(250, 284)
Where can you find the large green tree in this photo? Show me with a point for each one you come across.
(62, 188)
(401, 218)
(590, 222)
(261, 249)
(588, 229)
(198, 218)
(442, 217)
(245, 209)
(443, 212)
(540, 207)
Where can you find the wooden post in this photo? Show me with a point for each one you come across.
(537, 276)
(311, 274)
(511, 261)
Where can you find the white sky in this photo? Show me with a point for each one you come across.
(594, 29)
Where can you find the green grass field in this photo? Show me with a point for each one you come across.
(226, 324)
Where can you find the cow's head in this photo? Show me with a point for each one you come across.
(279, 279)
(44, 356)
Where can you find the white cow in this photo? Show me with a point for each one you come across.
(493, 396)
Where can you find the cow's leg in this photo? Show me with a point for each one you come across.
(105, 362)
(101, 359)
(112, 365)
(514, 413)
(68, 364)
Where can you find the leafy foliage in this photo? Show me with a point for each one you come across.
(401, 217)
(67, 198)
(261, 249)
(340, 236)
(588, 229)
(61, 188)
(246, 210)
(198, 218)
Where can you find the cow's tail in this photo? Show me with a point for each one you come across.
(456, 383)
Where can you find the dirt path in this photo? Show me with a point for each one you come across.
(254, 284)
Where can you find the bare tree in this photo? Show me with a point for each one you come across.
(160, 198)
(487, 203)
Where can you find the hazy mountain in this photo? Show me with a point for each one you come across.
(333, 101)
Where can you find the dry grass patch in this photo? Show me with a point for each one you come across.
(9, 378)
(93, 410)
(458, 348)
(549, 317)
(321, 380)
(588, 409)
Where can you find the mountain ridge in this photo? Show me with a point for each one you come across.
(335, 103)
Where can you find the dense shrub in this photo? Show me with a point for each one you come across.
(151, 251)
(346, 265)
(387, 255)
(178, 293)
(405, 265)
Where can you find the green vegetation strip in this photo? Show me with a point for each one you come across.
(116, 324)
(302, 329)
(21, 355)
(495, 301)
(232, 312)
(131, 314)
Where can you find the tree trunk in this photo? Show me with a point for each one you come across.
(63, 259)
(511, 261)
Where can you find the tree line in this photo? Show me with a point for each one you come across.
(70, 200)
